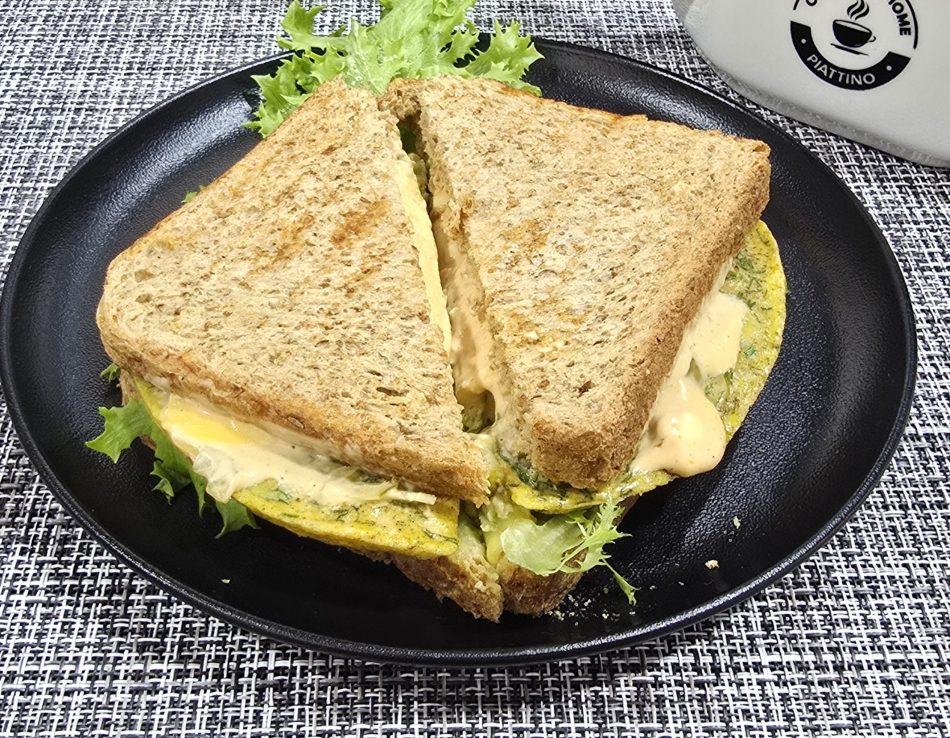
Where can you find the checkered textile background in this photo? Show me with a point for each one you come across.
(855, 642)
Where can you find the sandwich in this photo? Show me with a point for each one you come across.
(616, 307)
(457, 328)
(285, 331)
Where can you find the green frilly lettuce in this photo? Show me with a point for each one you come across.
(570, 543)
(413, 38)
(172, 468)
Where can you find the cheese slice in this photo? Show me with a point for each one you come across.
(415, 207)
(232, 455)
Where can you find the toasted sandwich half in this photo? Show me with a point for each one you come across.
(616, 307)
(285, 330)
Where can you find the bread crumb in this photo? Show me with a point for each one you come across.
(712, 564)
(532, 336)
(225, 581)
(735, 522)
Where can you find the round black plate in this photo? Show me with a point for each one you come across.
(810, 451)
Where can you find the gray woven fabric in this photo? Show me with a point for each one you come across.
(854, 642)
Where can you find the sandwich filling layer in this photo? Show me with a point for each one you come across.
(233, 455)
(275, 474)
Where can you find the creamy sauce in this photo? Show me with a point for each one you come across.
(470, 351)
(713, 337)
(415, 207)
(234, 455)
(685, 434)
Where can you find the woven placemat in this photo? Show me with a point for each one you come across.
(855, 642)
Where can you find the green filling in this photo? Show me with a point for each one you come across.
(571, 543)
(110, 373)
(191, 195)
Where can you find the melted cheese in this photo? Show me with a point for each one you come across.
(415, 208)
(233, 455)
(470, 351)
(685, 434)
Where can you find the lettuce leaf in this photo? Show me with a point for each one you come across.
(111, 372)
(191, 195)
(234, 516)
(413, 38)
(122, 426)
(172, 468)
(170, 480)
(571, 543)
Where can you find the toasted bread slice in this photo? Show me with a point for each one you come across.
(587, 241)
(290, 291)
(485, 591)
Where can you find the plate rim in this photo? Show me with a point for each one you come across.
(475, 657)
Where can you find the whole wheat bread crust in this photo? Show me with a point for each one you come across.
(587, 304)
(289, 291)
(471, 584)
(527, 593)
(486, 592)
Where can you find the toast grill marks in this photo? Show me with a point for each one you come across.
(310, 227)
(574, 246)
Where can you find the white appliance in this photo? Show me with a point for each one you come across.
(875, 71)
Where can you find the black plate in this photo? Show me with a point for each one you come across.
(809, 453)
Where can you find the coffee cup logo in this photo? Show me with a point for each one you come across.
(857, 47)
(852, 35)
